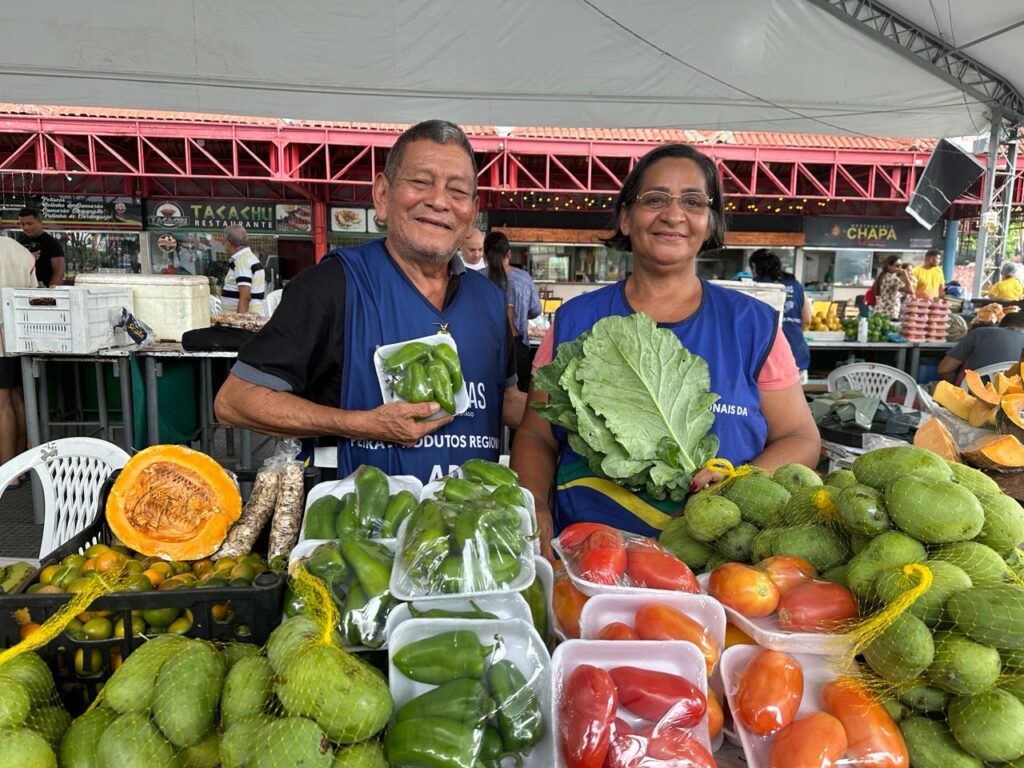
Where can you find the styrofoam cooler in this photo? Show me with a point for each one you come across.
(169, 304)
(67, 319)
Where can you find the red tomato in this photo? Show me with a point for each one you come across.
(603, 557)
(787, 571)
(873, 737)
(648, 565)
(716, 718)
(678, 746)
(617, 631)
(587, 710)
(769, 693)
(574, 535)
(567, 604)
(817, 606)
(651, 694)
(744, 589)
(662, 622)
(815, 741)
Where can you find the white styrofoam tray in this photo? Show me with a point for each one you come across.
(518, 642)
(338, 489)
(818, 670)
(765, 631)
(461, 394)
(671, 656)
(506, 606)
(402, 587)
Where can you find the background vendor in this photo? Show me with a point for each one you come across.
(670, 209)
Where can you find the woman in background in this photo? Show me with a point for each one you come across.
(1009, 288)
(891, 286)
(797, 312)
(520, 295)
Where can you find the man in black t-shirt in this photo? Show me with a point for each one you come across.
(45, 247)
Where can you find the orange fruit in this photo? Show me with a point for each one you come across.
(110, 561)
(155, 577)
(46, 575)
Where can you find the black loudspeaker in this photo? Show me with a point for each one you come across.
(949, 173)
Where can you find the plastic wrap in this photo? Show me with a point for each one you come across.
(356, 572)
(287, 520)
(255, 514)
(630, 703)
(418, 371)
(367, 502)
(473, 546)
(600, 559)
(492, 676)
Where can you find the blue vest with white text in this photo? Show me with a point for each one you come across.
(734, 334)
(382, 306)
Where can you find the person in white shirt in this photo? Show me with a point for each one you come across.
(473, 250)
(245, 284)
(17, 270)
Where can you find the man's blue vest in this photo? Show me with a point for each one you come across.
(382, 306)
(732, 332)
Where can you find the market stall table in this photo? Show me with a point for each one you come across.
(898, 348)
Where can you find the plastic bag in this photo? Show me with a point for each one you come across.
(471, 539)
(284, 530)
(258, 508)
(599, 558)
(470, 692)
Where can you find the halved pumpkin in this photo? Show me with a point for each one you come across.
(933, 436)
(982, 414)
(1000, 452)
(1010, 416)
(984, 391)
(172, 502)
(954, 399)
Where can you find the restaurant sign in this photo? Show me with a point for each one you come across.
(254, 215)
(75, 211)
(878, 234)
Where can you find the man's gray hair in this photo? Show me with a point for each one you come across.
(1009, 269)
(236, 235)
(437, 131)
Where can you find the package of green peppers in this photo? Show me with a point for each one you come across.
(367, 503)
(472, 693)
(423, 370)
(356, 572)
(503, 606)
(472, 543)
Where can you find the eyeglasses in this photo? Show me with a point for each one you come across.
(690, 202)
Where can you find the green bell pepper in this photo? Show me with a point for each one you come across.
(399, 507)
(457, 489)
(450, 358)
(450, 576)
(505, 566)
(417, 386)
(371, 563)
(441, 613)
(405, 355)
(537, 599)
(512, 495)
(441, 385)
(372, 493)
(467, 528)
(443, 657)
(293, 604)
(519, 716)
(320, 518)
(492, 749)
(463, 699)
(326, 563)
(432, 742)
(489, 472)
(351, 617)
(347, 523)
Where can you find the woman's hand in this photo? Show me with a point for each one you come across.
(703, 478)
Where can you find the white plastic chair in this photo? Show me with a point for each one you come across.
(988, 371)
(71, 471)
(272, 300)
(873, 379)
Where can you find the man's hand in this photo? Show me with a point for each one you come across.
(406, 423)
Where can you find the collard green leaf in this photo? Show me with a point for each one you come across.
(647, 387)
(558, 409)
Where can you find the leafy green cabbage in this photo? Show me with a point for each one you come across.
(635, 402)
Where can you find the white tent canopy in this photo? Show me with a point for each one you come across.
(763, 65)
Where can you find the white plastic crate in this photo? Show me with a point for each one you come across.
(169, 304)
(72, 319)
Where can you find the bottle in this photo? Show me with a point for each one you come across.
(862, 331)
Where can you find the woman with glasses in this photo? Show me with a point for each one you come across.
(669, 210)
(891, 286)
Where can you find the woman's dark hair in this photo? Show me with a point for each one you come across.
(890, 260)
(631, 188)
(1012, 320)
(496, 247)
(767, 264)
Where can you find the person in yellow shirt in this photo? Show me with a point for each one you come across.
(1009, 288)
(929, 281)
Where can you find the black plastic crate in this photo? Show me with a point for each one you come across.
(257, 607)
